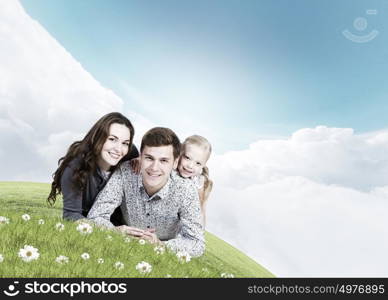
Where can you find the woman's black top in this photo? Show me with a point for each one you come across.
(77, 203)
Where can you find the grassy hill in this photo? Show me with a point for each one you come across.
(18, 198)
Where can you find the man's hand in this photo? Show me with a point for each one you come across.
(150, 236)
(133, 231)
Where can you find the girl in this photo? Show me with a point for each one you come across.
(88, 164)
(195, 153)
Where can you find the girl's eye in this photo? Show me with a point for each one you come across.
(198, 164)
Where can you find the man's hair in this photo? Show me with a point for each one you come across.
(161, 136)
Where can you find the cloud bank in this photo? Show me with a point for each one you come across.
(47, 99)
(314, 204)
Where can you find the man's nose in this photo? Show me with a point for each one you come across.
(154, 165)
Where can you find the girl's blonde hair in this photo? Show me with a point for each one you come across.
(203, 143)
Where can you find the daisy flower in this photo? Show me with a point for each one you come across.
(227, 275)
(168, 276)
(40, 221)
(84, 228)
(28, 253)
(61, 259)
(85, 256)
(4, 220)
(143, 267)
(183, 257)
(119, 265)
(1, 258)
(159, 250)
(26, 217)
(59, 226)
(142, 242)
(100, 261)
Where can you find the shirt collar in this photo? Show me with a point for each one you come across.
(162, 193)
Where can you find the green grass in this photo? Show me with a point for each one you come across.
(18, 198)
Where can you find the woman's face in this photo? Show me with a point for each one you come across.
(192, 161)
(115, 147)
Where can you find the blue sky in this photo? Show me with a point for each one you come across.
(241, 70)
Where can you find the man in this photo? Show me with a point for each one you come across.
(157, 204)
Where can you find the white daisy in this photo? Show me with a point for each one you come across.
(59, 226)
(1, 258)
(84, 228)
(100, 260)
(85, 256)
(4, 220)
(40, 221)
(183, 257)
(159, 250)
(61, 259)
(168, 276)
(28, 253)
(142, 242)
(119, 265)
(26, 217)
(144, 267)
(227, 275)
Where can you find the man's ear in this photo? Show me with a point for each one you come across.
(176, 163)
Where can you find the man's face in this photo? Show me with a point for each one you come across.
(156, 164)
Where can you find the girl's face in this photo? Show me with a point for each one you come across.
(115, 147)
(192, 161)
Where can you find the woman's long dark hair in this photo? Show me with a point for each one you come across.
(88, 151)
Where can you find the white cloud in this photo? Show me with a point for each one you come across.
(47, 99)
(311, 205)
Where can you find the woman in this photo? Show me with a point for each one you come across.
(88, 164)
